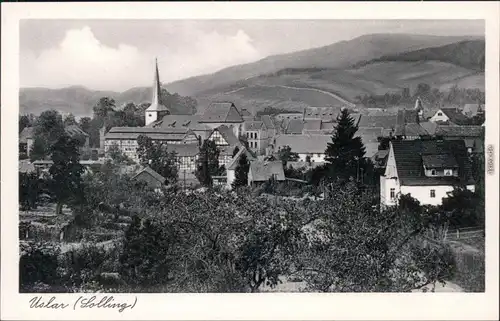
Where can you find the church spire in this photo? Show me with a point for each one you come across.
(155, 99)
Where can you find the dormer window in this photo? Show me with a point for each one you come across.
(433, 172)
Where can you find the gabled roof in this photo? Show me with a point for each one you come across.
(294, 126)
(429, 127)
(472, 109)
(303, 144)
(234, 161)
(253, 125)
(385, 121)
(151, 172)
(26, 133)
(454, 115)
(459, 131)
(268, 121)
(409, 161)
(73, 130)
(412, 129)
(221, 112)
(263, 170)
(228, 135)
(245, 113)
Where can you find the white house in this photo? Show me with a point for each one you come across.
(426, 169)
(449, 115)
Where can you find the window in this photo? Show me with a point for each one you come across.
(393, 193)
(448, 172)
(433, 172)
(440, 114)
(433, 193)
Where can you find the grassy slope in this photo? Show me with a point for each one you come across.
(338, 55)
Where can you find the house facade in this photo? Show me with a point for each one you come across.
(426, 169)
(226, 141)
(125, 138)
(257, 136)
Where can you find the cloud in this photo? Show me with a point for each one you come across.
(82, 59)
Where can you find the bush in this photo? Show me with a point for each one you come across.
(38, 266)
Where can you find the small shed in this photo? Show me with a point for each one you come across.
(263, 171)
(150, 177)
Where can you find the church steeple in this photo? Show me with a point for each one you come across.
(156, 111)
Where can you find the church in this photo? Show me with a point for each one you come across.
(183, 133)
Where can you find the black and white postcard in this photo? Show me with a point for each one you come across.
(250, 160)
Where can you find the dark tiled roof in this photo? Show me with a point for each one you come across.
(459, 131)
(312, 124)
(221, 112)
(294, 126)
(320, 113)
(184, 149)
(430, 127)
(386, 121)
(253, 125)
(408, 155)
(263, 171)
(151, 172)
(153, 133)
(439, 161)
(412, 129)
(407, 116)
(454, 115)
(180, 121)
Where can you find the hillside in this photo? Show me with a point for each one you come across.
(459, 64)
(468, 54)
(80, 101)
(335, 75)
(338, 56)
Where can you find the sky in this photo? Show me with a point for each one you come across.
(119, 54)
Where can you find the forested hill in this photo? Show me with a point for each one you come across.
(468, 54)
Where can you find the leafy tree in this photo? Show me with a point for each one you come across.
(104, 107)
(85, 124)
(285, 154)
(241, 172)
(39, 149)
(156, 155)
(345, 154)
(356, 247)
(208, 162)
(463, 208)
(69, 120)
(29, 189)
(65, 171)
